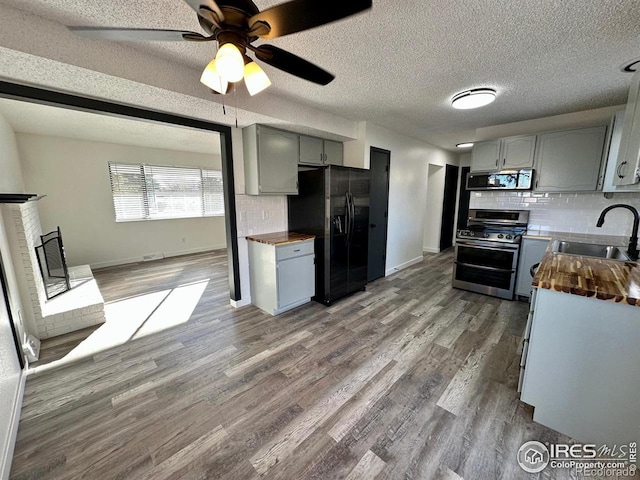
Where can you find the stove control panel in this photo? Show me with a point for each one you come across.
(491, 236)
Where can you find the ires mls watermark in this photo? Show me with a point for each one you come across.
(588, 460)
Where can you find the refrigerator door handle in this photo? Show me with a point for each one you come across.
(347, 217)
(352, 215)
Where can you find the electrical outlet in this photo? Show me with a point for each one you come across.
(184, 239)
(265, 214)
(243, 216)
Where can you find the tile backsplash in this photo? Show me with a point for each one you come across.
(258, 214)
(564, 212)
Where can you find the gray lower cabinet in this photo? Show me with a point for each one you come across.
(270, 161)
(570, 160)
(282, 277)
(580, 371)
(531, 252)
(316, 151)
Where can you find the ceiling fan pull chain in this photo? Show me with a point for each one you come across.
(235, 100)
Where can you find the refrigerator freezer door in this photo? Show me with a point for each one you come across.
(359, 183)
(337, 280)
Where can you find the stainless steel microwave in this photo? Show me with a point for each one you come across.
(502, 180)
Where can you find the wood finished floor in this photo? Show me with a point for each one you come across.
(127, 281)
(408, 380)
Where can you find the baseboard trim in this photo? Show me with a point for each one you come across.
(7, 457)
(404, 265)
(430, 250)
(243, 302)
(175, 253)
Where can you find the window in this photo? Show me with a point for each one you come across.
(149, 192)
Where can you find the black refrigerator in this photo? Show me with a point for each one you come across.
(333, 205)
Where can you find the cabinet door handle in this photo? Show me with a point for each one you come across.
(297, 250)
(619, 169)
(497, 160)
(321, 157)
(504, 161)
(536, 183)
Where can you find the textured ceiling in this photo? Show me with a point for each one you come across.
(61, 122)
(398, 64)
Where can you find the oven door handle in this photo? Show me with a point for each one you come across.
(482, 267)
(484, 247)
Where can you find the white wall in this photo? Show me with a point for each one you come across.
(74, 175)
(10, 173)
(10, 374)
(410, 160)
(433, 213)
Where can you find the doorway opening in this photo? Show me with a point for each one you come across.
(150, 280)
(447, 224)
(380, 164)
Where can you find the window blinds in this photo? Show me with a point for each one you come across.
(144, 192)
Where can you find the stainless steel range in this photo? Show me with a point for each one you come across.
(487, 251)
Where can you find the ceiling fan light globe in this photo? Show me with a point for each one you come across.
(255, 79)
(212, 79)
(229, 63)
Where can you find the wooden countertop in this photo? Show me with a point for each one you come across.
(599, 278)
(280, 238)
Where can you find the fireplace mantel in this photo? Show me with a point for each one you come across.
(18, 197)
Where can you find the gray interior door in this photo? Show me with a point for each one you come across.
(378, 212)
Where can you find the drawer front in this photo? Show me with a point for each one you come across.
(293, 250)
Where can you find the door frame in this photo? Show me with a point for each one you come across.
(453, 179)
(42, 96)
(386, 218)
(7, 300)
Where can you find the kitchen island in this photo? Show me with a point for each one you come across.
(581, 365)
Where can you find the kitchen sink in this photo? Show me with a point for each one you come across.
(589, 250)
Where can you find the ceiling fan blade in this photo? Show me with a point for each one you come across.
(290, 63)
(137, 34)
(298, 15)
(210, 5)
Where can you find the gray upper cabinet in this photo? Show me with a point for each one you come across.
(333, 153)
(570, 160)
(270, 161)
(506, 153)
(627, 169)
(311, 150)
(485, 156)
(316, 151)
(517, 152)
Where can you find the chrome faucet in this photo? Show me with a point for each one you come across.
(633, 240)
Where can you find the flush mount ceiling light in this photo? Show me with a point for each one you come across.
(465, 145)
(478, 97)
(631, 67)
(235, 25)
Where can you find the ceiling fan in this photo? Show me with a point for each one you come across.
(235, 25)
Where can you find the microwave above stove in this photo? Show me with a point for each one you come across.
(502, 180)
